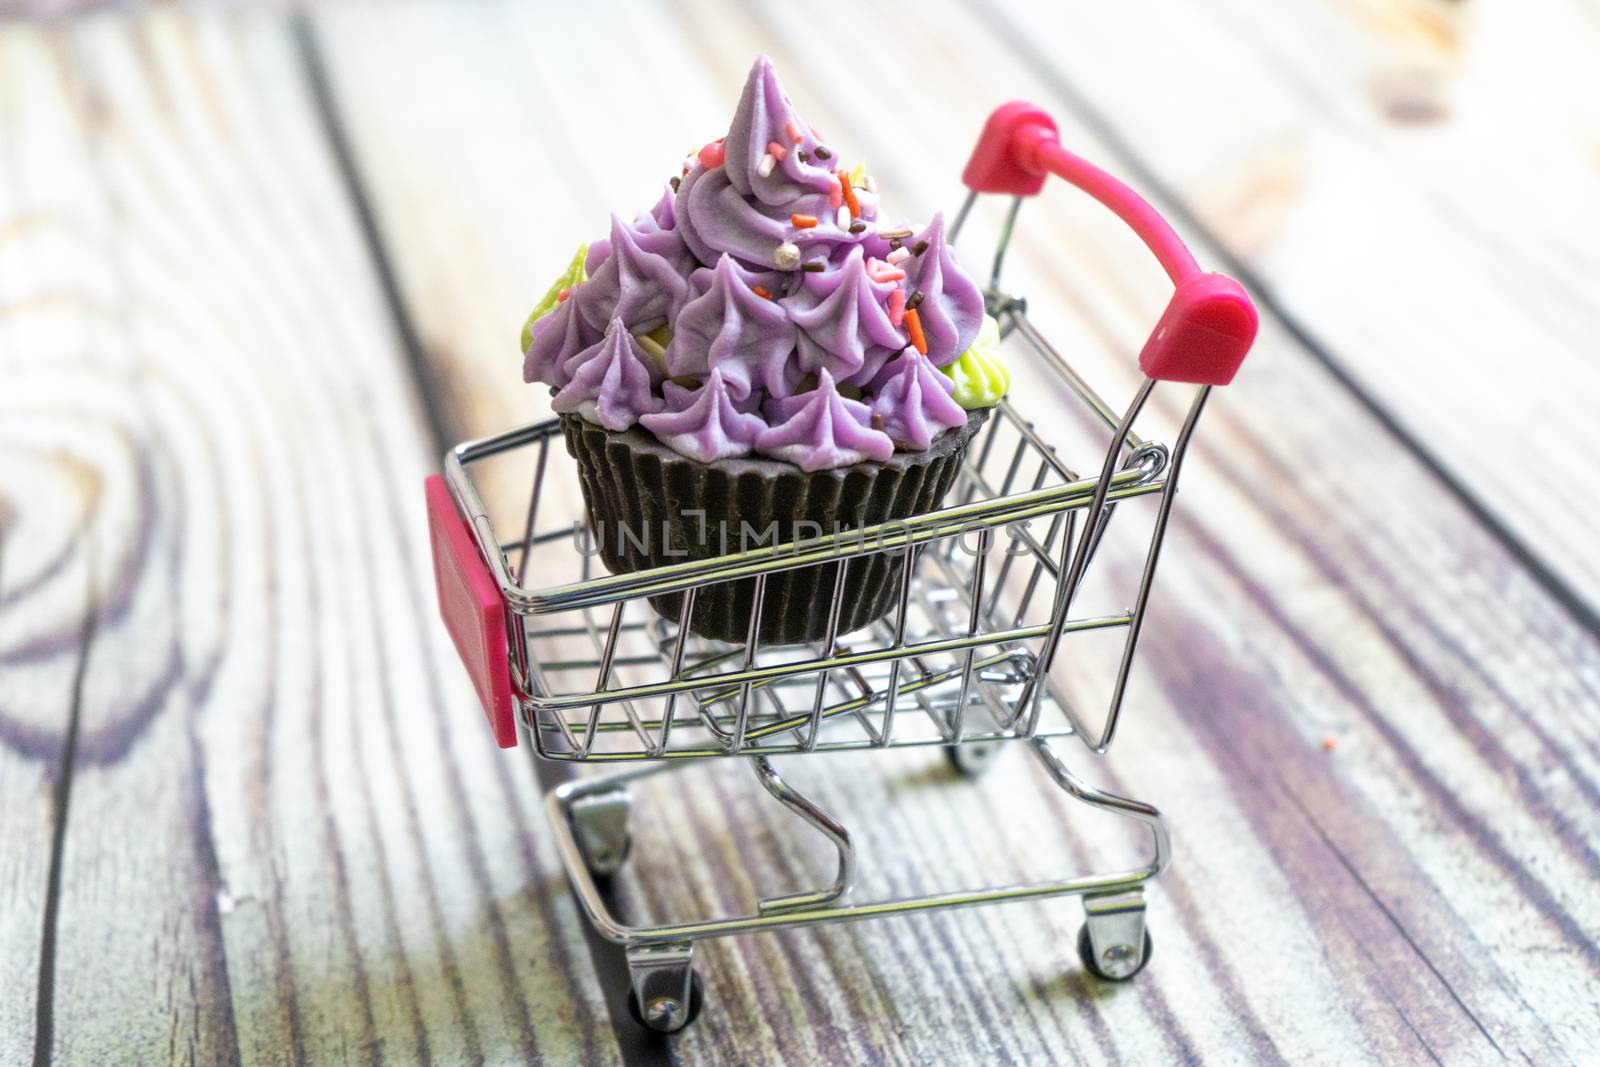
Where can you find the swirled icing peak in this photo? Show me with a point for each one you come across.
(770, 193)
(559, 290)
(643, 281)
(826, 430)
(704, 423)
(731, 328)
(842, 320)
(913, 402)
(765, 118)
(553, 340)
(612, 382)
(661, 216)
(952, 306)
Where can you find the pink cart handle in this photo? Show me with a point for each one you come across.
(1209, 323)
(473, 611)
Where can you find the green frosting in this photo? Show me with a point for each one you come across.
(573, 275)
(981, 379)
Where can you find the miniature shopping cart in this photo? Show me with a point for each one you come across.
(987, 591)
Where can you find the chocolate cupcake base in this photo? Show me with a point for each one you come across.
(649, 507)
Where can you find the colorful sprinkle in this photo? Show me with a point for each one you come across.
(762, 291)
(816, 266)
(787, 257)
(711, 155)
(805, 157)
(803, 222)
(894, 243)
(835, 196)
(915, 301)
(895, 234)
(879, 271)
(919, 248)
(841, 218)
(914, 327)
(858, 227)
(1329, 742)
(561, 297)
(764, 168)
(898, 256)
(877, 422)
(897, 307)
(849, 194)
(675, 182)
(823, 153)
(792, 128)
(777, 150)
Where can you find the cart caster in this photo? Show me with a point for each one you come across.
(1086, 953)
(1114, 943)
(974, 758)
(666, 994)
(600, 826)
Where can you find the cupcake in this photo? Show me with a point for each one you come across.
(760, 358)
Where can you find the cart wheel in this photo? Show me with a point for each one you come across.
(600, 825)
(1086, 953)
(972, 759)
(669, 1018)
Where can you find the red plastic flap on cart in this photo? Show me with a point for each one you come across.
(470, 604)
(1204, 334)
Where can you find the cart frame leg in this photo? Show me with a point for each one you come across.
(826, 824)
(560, 802)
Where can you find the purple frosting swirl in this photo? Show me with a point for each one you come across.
(764, 116)
(731, 329)
(643, 281)
(612, 382)
(705, 423)
(736, 209)
(952, 306)
(557, 337)
(663, 215)
(773, 281)
(843, 325)
(913, 402)
(823, 429)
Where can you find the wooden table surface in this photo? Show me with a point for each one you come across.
(259, 267)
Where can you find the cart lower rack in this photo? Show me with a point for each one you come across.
(984, 595)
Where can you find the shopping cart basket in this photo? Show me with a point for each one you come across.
(986, 595)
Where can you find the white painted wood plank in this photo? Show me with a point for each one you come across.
(276, 848)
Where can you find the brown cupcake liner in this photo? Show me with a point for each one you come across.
(649, 507)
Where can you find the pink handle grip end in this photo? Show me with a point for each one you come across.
(1203, 335)
(997, 165)
(473, 612)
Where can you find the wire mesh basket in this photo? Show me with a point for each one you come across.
(985, 596)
